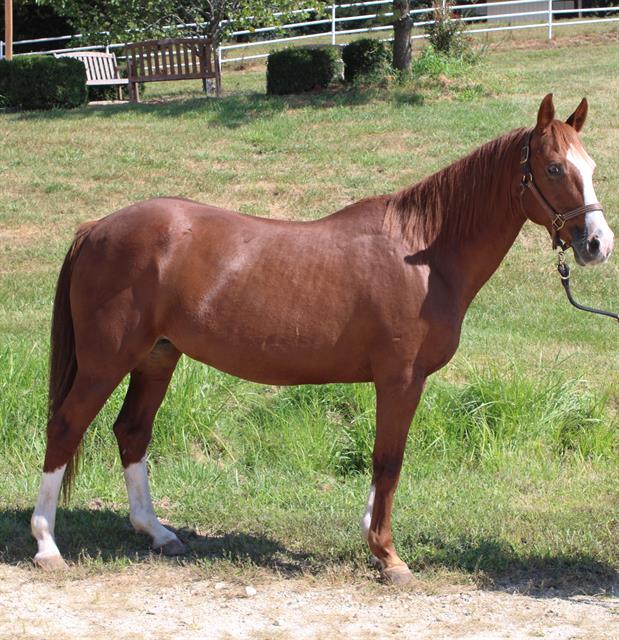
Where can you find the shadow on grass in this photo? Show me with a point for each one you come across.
(108, 536)
(495, 565)
(229, 111)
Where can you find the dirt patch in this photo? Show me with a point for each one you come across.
(161, 602)
(21, 235)
(561, 41)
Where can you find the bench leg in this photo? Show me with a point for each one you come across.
(134, 92)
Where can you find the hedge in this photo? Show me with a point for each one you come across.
(296, 70)
(365, 56)
(42, 82)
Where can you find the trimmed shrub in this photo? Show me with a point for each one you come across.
(43, 82)
(5, 70)
(103, 92)
(365, 57)
(296, 70)
(110, 92)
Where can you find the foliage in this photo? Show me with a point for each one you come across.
(35, 21)
(43, 82)
(431, 62)
(110, 92)
(365, 56)
(5, 67)
(446, 33)
(295, 70)
(117, 20)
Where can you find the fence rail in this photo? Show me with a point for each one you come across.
(542, 16)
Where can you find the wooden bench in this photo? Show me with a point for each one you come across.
(174, 59)
(101, 69)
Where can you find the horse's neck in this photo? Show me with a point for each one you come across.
(470, 267)
(468, 264)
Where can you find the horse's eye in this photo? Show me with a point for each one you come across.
(554, 169)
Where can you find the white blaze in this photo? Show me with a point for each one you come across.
(141, 511)
(44, 516)
(595, 223)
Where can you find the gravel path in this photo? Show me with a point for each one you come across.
(157, 603)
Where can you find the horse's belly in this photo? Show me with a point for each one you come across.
(270, 362)
(280, 350)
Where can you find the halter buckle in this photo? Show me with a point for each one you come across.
(524, 154)
(558, 222)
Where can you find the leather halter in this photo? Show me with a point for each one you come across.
(557, 219)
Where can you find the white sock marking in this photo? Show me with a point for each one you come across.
(44, 515)
(142, 512)
(366, 520)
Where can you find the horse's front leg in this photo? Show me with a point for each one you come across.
(396, 401)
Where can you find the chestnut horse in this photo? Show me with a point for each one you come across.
(375, 292)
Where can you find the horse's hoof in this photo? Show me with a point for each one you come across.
(400, 575)
(50, 563)
(173, 548)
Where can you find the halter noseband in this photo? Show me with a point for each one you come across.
(557, 219)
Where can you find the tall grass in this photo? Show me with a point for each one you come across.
(330, 429)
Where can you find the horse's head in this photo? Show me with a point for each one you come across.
(557, 179)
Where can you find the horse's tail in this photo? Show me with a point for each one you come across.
(62, 360)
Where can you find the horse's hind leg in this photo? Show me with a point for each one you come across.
(64, 433)
(133, 428)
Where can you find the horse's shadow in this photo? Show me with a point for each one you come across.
(107, 535)
(495, 566)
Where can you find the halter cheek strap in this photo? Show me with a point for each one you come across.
(557, 219)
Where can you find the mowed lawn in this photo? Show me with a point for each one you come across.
(511, 471)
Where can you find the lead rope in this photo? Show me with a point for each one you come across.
(564, 271)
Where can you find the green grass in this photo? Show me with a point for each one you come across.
(511, 470)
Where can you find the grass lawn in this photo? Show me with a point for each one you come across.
(511, 470)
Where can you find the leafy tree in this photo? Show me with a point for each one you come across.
(33, 21)
(107, 21)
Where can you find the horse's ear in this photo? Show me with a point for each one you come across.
(577, 119)
(546, 113)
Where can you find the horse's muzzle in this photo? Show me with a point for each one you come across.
(593, 244)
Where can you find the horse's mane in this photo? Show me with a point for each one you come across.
(456, 201)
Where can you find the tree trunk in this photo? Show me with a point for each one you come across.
(402, 26)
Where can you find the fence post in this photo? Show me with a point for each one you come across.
(549, 19)
(333, 23)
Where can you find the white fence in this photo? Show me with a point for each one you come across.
(518, 14)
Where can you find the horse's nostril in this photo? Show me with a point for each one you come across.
(593, 246)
